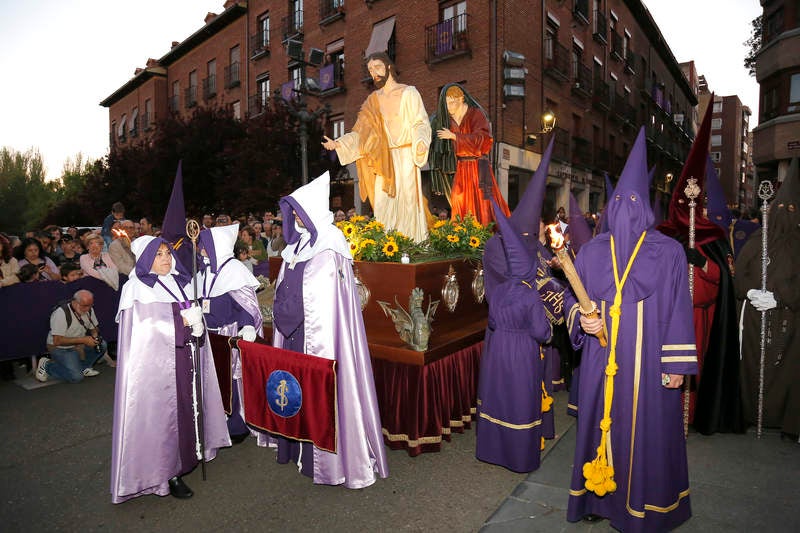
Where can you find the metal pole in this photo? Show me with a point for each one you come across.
(692, 191)
(193, 231)
(765, 192)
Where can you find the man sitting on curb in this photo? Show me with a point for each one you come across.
(74, 341)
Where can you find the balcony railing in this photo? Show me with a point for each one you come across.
(190, 97)
(330, 10)
(556, 61)
(582, 82)
(292, 25)
(210, 87)
(338, 79)
(600, 27)
(623, 109)
(561, 144)
(259, 44)
(580, 10)
(582, 151)
(631, 62)
(617, 46)
(448, 38)
(601, 95)
(257, 104)
(232, 75)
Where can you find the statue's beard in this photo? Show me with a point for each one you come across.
(380, 81)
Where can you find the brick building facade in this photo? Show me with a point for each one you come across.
(601, 67)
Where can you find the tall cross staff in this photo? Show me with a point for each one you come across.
(765, 192)
(691, 191)
(193, 231)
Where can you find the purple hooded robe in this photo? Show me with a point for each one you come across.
(509, 428)
(317, 311)
(656, 335)
(153, 436)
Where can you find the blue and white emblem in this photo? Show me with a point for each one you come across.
(284, 394)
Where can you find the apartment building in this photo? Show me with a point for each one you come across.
(776, 139)
(585, 73)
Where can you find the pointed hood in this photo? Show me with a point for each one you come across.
(629, 212)
(310, 203)
(579, 231)
(519, 262)
(677, 223)
(173, 230)
(717, 207)
(784, 213)
(526, 216)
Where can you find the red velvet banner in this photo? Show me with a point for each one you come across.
(290, 394)
(222, 363)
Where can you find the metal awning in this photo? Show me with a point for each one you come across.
(381, 33)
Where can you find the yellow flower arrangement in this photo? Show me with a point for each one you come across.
(369, 241)
(460, 237)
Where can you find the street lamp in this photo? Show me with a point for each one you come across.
(297, 107)
(548, 121)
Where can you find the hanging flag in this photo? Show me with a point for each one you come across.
(444, 37)
(287, 91)
(326, 77)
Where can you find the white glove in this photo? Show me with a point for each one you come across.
(194, 319)
(248, 333)
(762, 300)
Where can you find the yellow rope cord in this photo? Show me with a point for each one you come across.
(599, 473)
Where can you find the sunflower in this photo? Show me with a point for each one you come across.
(459, 228)
(348, 229)
(439, 223)
(353, 249)
(390, 248)
(367, 242)
(357, 218)
(474, 241)
(453, 238)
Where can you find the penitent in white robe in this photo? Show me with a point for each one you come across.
(405, 212)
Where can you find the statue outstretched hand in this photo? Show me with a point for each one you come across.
(329, 144)
(445, 133)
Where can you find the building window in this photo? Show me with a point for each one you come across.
(716, 140)
(232, 74)
(551, 38)
(210, 83)
(716, 157)
(716, 123)
(577, 60)
(236, 110)
(333, 75)
(458, 14)
(263, 31)
(717, 107)
(262, 94)
(296, 15)
(175, 100)
(296, 75)
(794, 94)
(626, 44)
(190, 99)
(337, 127)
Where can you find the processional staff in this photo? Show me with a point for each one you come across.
(692, 191)
(765, 192)
(193, 231)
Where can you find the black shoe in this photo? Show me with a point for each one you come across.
(238, 439)
(592, 518)
(179, 489)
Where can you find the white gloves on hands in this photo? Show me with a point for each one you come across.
(248, 333)
(194, 319)
(762, 300)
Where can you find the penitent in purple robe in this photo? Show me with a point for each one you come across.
(509, 427)
(153, 436)
(656, 335)
(317, 311)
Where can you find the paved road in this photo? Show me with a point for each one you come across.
(56, 445)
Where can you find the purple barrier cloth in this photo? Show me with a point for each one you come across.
(27, 308)
(262, 269)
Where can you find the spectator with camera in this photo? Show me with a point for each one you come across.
(98, 264)
(31, 252)
(74, 341)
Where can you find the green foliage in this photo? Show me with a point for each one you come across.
(369, 240)
(25, 196)
(459, 237)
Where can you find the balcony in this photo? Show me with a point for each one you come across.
(582, 151)
(210, 87)
(556, 61)
(602, 159)
(580, 10)
(582, 82)
(259, 45)
(190, 97)
(599, 32)
(336, 85)
(617, 46)
(232, 76)
(561, 144)
(293, 26)
(257, 104)
(330, 11)
(449, 38)
(601, 95)
(623, 111)
(631, 62)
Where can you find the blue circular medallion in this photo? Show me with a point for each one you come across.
(284, 395)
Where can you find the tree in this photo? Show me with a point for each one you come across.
(24, 194)
(753, 45)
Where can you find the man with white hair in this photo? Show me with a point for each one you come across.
(74, 341)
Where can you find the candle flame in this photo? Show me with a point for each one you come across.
(556, 238)
(119, 232)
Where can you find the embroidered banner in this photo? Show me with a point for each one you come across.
(290, 394)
